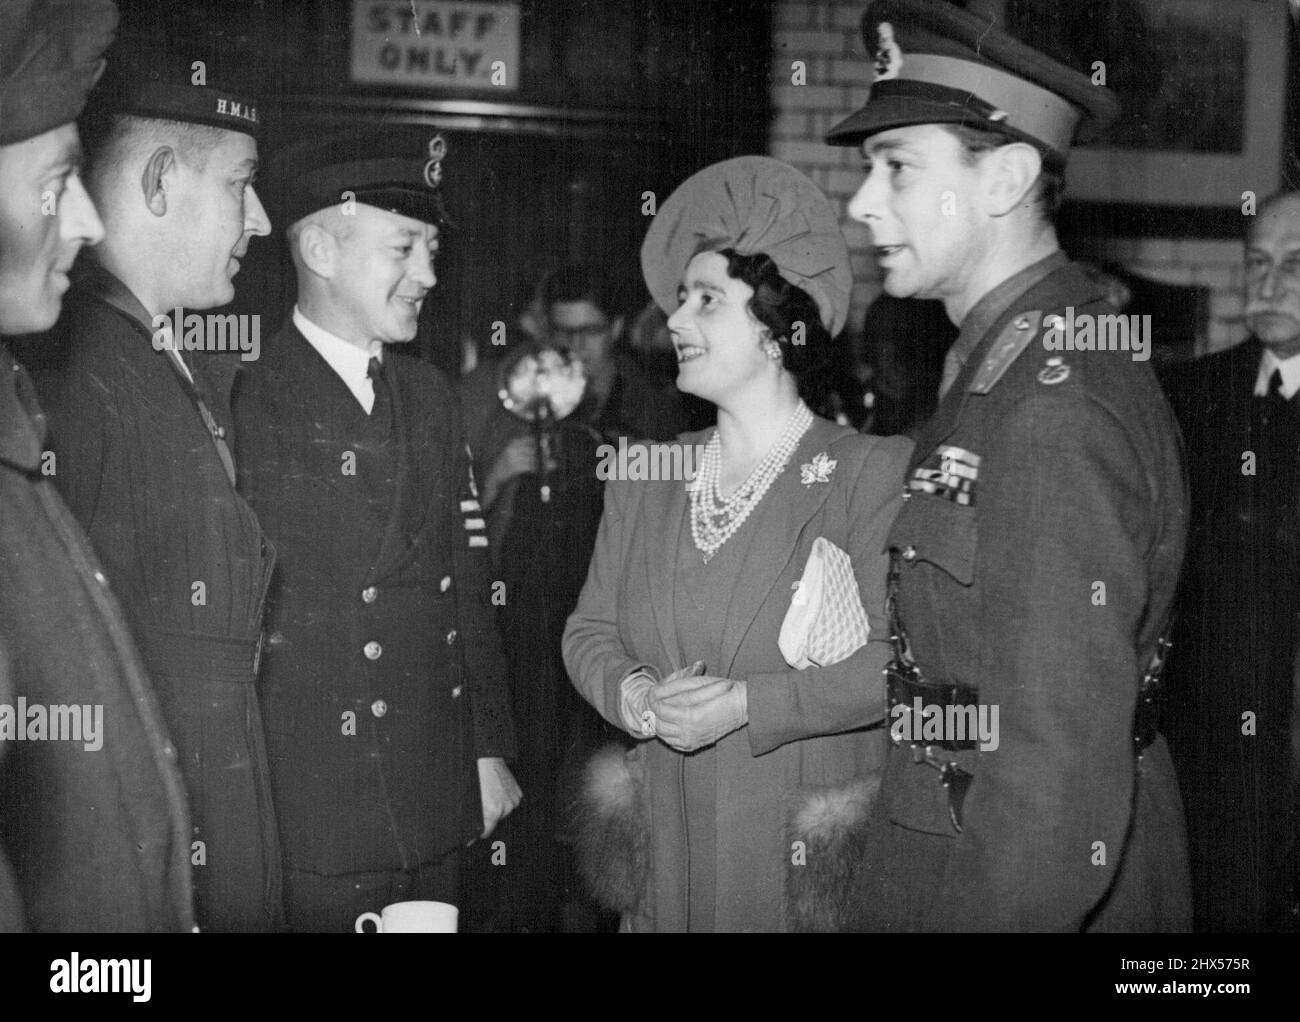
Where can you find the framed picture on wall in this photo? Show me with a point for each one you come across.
(1204, 87)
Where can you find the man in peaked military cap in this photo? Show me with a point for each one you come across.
(385, 690)
(140, 432)
(96, 831)
(1038, 548)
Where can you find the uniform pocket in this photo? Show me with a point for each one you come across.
(939, 532)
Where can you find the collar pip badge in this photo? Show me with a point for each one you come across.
(1056, 371)
(950, 473)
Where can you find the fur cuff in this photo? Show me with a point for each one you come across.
(832, 825)
(609, 831)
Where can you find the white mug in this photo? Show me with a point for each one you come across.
(412, 917)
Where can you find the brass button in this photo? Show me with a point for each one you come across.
(445, 584)
(101, 579)
(909, 553)
(369, 594)
(373, 650)
(379, 707)
(275, 639)
(451, 637)
(169, 751)
(455, 692)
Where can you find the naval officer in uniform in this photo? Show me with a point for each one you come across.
(385, 690)
(1037, 553)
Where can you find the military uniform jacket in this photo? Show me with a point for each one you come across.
(98, 839)
(1040, 545)
(138, 467)
(383, 677)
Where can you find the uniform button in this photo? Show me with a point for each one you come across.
(169, 751)
(101, 578)
(373, 650)
(455, 692)
(275, 639)
(907, 494)
(379, 707)
(451, 637)
(909, 553)
(369, 594)
(445, 584)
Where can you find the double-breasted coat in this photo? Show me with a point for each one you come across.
(807, 728)
(383, 676)
(138, 465)
(1045, 587)
(96, 832)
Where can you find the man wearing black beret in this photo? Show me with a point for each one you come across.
(93, 824)
(384, 686)
(140, 430)
(1039, 544)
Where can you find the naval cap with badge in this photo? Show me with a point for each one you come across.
(162, 84)
(51, 55)
(388, 169)
(753, 204)
(934, 63)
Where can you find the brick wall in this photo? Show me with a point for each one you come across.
(824, 35)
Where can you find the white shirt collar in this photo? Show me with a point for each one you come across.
(346, 359)
(1290, 368)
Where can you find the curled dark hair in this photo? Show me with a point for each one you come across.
(788, 312)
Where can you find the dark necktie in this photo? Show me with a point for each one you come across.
(381, 413)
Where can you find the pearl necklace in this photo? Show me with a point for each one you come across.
(714, 520)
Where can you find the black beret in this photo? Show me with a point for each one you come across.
(51, 54)
(167, 85)
(390, 170)
(937, 64)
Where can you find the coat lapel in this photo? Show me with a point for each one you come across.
(666, 509)
(775, 542)
(321, 407)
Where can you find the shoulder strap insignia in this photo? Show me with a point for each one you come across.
(1010, 343)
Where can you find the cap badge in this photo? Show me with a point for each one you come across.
(433, 169)
(889, 58)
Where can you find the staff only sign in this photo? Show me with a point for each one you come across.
(443, 43)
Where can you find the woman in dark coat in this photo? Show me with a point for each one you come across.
(686, 632)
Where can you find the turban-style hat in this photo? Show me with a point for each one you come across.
(51, 55)
(752, 204)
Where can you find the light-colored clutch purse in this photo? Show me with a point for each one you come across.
(826, 621)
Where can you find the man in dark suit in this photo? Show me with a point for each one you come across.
(1038, 548)
(94, 832)
(386, 708)
(139, 430)
(1231, 671)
